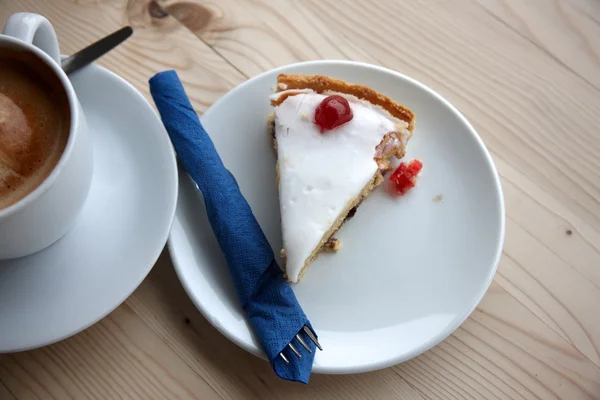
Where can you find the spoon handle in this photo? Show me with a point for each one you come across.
(95, 50)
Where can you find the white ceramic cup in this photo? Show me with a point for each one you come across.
(48, 212)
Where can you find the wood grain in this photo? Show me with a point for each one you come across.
(524, 73)
(158, 43)
(579, 51)
(5, 394)
(116, 357)
(256, 36)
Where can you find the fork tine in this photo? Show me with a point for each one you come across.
(303, 343)
(296, 352)
(284, 358)
(312, 337)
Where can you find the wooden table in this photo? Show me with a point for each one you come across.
(527, 75)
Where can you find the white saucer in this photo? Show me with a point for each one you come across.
(411, 269)
(123, 227)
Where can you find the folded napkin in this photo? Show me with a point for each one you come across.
(265, 296)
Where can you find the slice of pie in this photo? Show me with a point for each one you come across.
(334, 141)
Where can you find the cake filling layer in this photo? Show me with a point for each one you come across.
(320, 174)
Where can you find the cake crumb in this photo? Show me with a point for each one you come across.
(333, 244)
(304, 116)
(438, 199)
(283, 254)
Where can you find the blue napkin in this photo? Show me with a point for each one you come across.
(265, 296)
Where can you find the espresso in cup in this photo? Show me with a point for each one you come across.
(46, 150)
(34, 124)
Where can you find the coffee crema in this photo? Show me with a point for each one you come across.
(34, 124)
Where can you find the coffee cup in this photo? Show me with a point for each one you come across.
(45, 147)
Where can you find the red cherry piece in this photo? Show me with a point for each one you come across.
(405, 176)
(332, 112)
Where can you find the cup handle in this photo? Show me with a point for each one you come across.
(33, 29)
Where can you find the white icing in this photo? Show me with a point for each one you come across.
(321, 173)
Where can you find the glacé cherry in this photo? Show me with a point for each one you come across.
(332, 112)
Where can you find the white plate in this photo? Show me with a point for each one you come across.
(411, 269)
(123, 227)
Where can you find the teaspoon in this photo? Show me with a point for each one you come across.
(95, 50)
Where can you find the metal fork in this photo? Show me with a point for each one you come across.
(311, 335)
